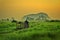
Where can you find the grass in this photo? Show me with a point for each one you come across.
(36, 31)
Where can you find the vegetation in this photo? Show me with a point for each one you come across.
(39, 27)
(37, 31)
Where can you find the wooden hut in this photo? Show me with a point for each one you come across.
(22, 25)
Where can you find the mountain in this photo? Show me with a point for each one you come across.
(38, 16)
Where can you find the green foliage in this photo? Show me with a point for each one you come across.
(6, 26)
(36, 31)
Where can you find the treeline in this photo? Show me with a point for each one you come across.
(53, 20)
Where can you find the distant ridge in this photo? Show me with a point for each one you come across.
(39, 16)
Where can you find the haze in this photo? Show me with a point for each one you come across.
(19, 8)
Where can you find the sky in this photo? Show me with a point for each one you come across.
(19, 8)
